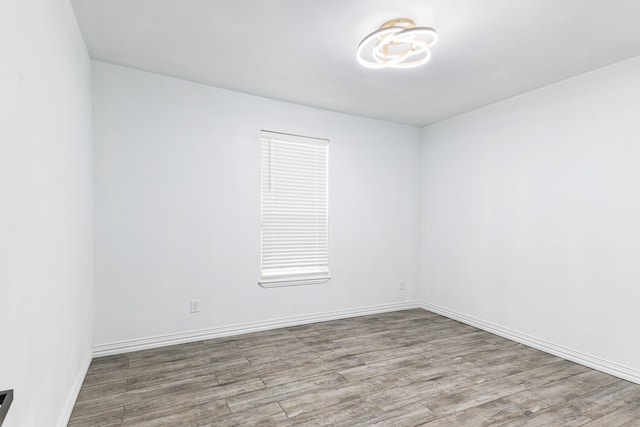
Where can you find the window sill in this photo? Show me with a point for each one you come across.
(278, 283)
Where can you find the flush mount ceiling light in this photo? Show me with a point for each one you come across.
(397, 44)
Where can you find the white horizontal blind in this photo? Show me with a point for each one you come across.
(295, 216)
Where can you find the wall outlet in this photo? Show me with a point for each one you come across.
(195, 305)
(402, 286)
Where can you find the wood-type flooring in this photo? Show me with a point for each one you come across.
(405, 368)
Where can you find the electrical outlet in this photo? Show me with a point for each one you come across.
(195, 305)
(402, 286)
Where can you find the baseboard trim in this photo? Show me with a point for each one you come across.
(244, 328)
(67, 409)
(590, 361)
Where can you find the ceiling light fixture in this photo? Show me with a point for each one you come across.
(398, 44)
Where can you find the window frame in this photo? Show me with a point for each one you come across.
(270, 276)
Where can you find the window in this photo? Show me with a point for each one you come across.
(295, 216)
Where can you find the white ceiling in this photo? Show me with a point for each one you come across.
(303, 51)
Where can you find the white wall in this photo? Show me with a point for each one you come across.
(530, 214)
(178, 208)
(46, 210)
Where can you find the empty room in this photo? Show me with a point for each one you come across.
(298, 213)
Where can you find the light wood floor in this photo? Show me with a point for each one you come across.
(405, 368)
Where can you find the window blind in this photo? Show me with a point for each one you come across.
(295, 217)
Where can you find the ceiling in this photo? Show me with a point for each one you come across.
(303, 51)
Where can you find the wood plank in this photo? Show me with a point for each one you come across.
(627, 416)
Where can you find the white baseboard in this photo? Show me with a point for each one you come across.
(244, 328)
(127, 346)
(594, 362)
(75, 391)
